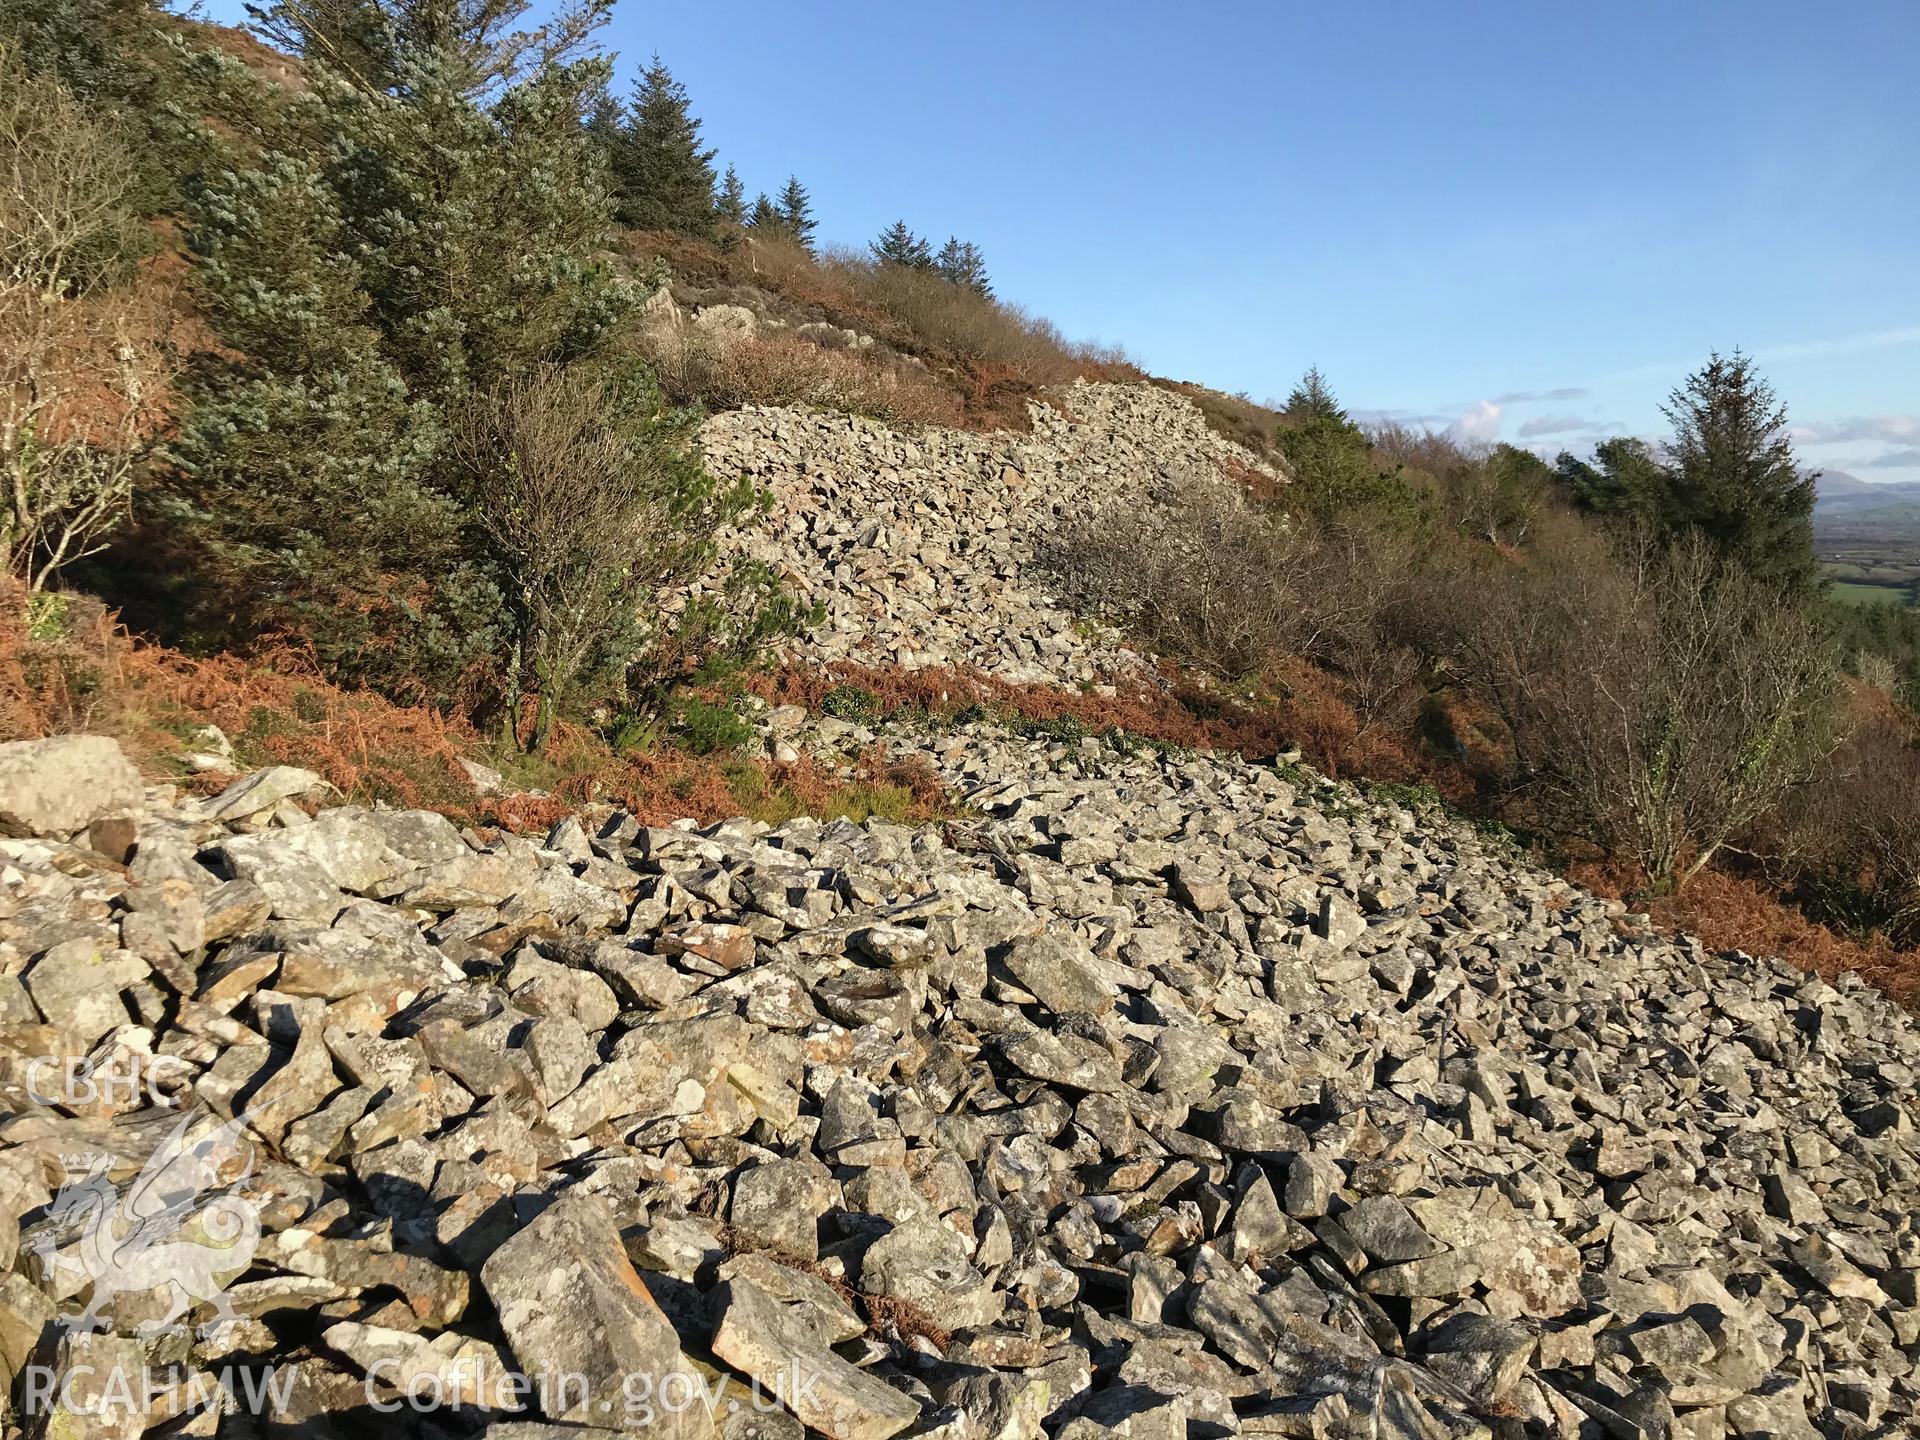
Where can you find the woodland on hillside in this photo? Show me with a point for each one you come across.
(326, 341)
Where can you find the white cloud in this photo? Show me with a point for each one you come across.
(1871, 340)
(1893, 429)
(1672, 370)
(1556, 425)
(1481, 422)
(1531, 397)
(1413, 419)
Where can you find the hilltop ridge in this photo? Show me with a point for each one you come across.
(617, 819)
(1147, 1092)
(928, 548)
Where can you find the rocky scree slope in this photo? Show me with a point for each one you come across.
(924, 547)
(1157, 1098)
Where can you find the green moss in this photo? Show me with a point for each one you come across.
(705, 728)
(774, 804)
(47, 617)
(1408, 797)
(854, 704)
(309, 706)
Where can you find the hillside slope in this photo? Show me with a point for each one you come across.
(1153, 1094)
(927, 548)
(1017, 1069)
(1161, 1096)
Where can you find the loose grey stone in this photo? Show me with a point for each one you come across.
(572, 1307)
(62, 784)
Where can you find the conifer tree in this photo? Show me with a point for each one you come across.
(100, 50)
(304, 506)
(948, 260)
(962, 263)
(1339, 478)
(898, 245)
(1728, 474)
(1624, 481)
(396, 243)
(796, 213)
(1311, 400)
(1731, 474)
(602, 122)
(115, 56)
(763, 219)
(731, 206)
(482, 228)
(482, 47)
(663, 177)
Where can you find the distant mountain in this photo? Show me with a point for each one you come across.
(1838, 493)
(1835, 484)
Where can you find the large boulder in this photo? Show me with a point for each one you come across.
(64, 783)
(582, 1324)
(733, 322)
(262, 791)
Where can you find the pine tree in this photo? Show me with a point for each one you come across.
(731, 207)
(116, 56)
(663, 178)
(100, 50)
(1312, 400)
(305, 506)
(1731, 474)
(1339, 478)
(898, 245)
(481, 49)
(481, 229)
(393, 247)
(962, 263)
(1624, 481)
(602, 122)
(763, 219)
(796, 213)
(948, 260)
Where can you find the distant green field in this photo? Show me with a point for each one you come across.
(1867, 594)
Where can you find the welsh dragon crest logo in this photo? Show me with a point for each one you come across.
(176, 1225)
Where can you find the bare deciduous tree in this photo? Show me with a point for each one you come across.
(80, 370)
(1199, 572)
(1850, 840)
(567, 504)
(1235, 586)
(1659, 700)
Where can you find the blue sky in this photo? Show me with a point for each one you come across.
(1528, 221)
